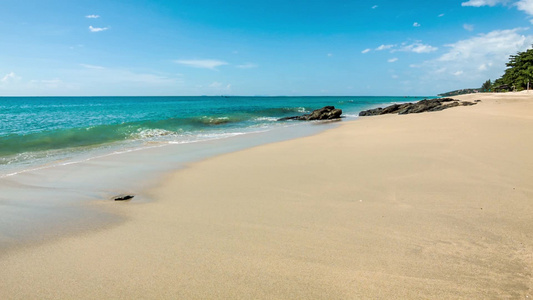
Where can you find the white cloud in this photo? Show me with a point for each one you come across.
(526, 6)
(94, 73)
(95, 80)
(9, 77)
(484, 67)
(374, 7)
(478, 3)
(468, 27)
(384, 47)
(523, 5)
(441, 15)
(15, 86)
(366, 51)
(75, 47)
(219, 86)
(478, 58)
(92, 16)
(47, 84)
(330, 54)
(247, 66)
(416, 24)
(393, 60)
(97, 29)
(202, 63)
(418, 47)
(497, 44)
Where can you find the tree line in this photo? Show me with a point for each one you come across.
(517, 75)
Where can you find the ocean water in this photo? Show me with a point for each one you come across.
(62, 159)
(41, 130)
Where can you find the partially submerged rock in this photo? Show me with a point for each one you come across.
(324, 113)
(123, 197)
(417, 107)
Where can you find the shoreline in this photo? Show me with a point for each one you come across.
(80, 199)
(404, 206)
(82, 202)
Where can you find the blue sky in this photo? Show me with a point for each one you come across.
(245, 47)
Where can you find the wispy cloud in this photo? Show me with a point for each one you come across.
(417, 47)
(384, 47)
(9, 76)
(479, 3)
(468, 27)
(484, 67)
(97, 29)
(441, 15)
(416, 24)
(247, 66)
(202, 63)
(393, 60)
(92, 16)
(366, 50)
(374, 7)
(117, 75)
(219, 86)
(86, 79)
(48, 84)
(11, 84)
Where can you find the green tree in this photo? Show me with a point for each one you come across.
(487, 86)
(519, 70)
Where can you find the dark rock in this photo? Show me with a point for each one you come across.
(390, 109)
(442, 107)
(371, 112)
(446, 99)
(123, 197)
(324, 113)
(415, 108)
(404, 108)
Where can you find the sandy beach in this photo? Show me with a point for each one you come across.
(422, 206)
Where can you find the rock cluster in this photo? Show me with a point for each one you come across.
(417, 107)
(324, 113)
(123, 197)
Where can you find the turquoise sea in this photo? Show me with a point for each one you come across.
(40, 130)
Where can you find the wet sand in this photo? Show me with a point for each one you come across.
(432, 205)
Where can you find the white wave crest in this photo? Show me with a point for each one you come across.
(269, 119)
(150, 133)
